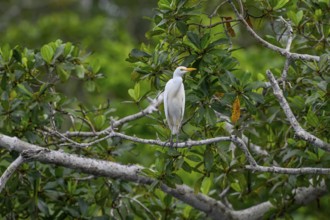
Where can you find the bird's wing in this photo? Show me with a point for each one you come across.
(166, 92)
(183, 101)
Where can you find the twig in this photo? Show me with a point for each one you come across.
(214, 13)
(140, 204)
(214, 24)
(188, 144)
(290, 37)
(299, 131)
(153, 106)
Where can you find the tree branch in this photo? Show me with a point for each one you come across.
(25, 155)
(153, 106)
(299, 131)
(113, 170)
(188, 144)
(10, 171)
(292, 171)
(303, 196)
(283, 52)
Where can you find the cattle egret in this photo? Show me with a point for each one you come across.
(174, 101)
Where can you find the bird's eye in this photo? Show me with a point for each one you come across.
(182, 69)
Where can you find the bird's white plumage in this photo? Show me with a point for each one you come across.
(174, 103)
(174, 99)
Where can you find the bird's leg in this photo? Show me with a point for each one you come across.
(171, 140)
(177, 139)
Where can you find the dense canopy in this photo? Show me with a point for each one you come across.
(83, 133)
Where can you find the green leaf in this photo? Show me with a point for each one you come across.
(255, 97)
(218, 42)
(235, 186)
(149, 172)
(182, 27)
(249, 105)
(210, 116)
(299, 16)
(58, 52)
(194, 157)
(198, 184)
(312, 156)
(138, 53)
(173, 152)
(137, 90)
(95, 65)
(80, 71)
(312, 119)
(90, 86)
(293, 17)
(280, 4)
(168, 200)
(194, 39)
(208, 159)
(6, 53)
(67, 49)
(24, 90)
(99, 121)
(47, 53)
(206, 185)
(186, 167)
(62, 72)
(205, 41)
(132, 94)
(135, 93)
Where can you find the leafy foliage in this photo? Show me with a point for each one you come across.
(35, 96)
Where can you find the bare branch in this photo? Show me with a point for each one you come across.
(190, 143)
(10, 171)
(290, 37)
(299, 131)
(292, 171)
(215, 11)
(23, 157)
(213, 208)
(282, 51)
(214, 24)
(154, 103)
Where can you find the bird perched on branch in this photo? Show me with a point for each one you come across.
(174, 101)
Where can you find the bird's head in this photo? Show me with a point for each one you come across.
(179, 71)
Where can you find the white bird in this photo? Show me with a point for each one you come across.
(174, 100)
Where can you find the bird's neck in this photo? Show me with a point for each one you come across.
(175, 76)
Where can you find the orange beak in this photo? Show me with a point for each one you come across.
(190, 69)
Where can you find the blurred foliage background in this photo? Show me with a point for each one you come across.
(108, 31)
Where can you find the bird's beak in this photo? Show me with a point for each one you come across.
(190, 69)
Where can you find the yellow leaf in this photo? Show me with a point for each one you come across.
(236, 110)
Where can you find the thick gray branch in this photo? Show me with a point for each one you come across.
(116, 171)
(303, 196)
(299, 131)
